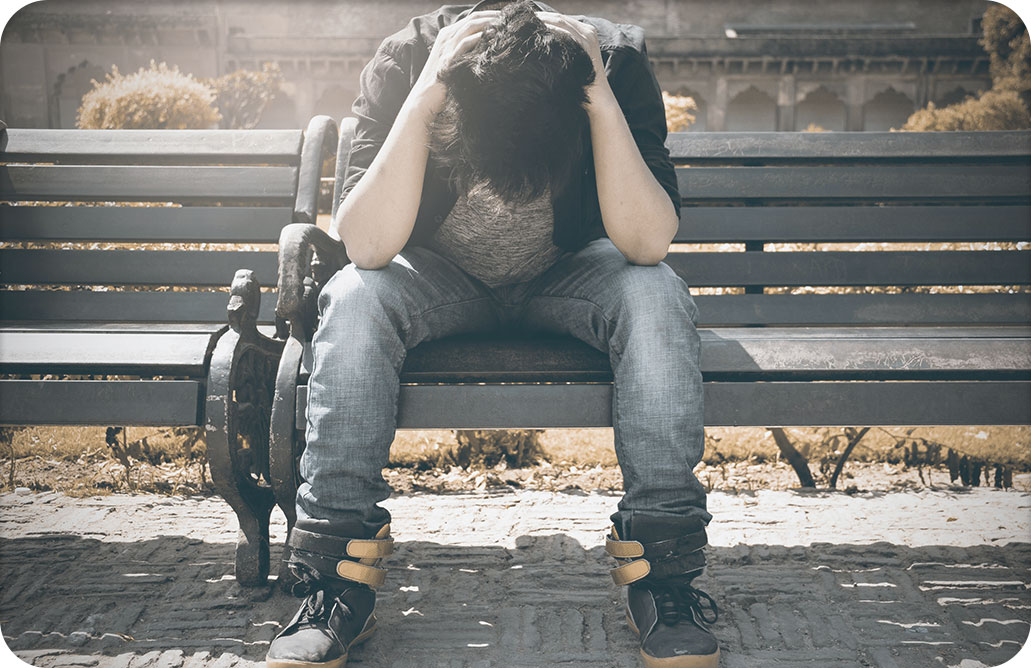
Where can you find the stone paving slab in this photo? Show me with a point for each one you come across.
(900, 580)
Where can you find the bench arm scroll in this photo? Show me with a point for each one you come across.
(308, 257)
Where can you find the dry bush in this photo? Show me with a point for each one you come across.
(155, 98)
(1005, 39)
(242, 96)
(678, 111)
(1006, 106)
(993, 110)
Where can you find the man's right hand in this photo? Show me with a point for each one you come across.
(452, 41)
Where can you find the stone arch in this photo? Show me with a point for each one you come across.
(70, 86)
(280, 112)
(886, 110)
(751, 110)
(334, 102)
(701, 114)
(820, 108)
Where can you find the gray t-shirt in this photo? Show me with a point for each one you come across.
(497, 243)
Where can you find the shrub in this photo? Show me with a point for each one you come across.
(241, 96)
(678, 111)
(994, 110)
(153, 98)
(1006, 41)
(1006, 106)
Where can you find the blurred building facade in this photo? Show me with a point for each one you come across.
(749, 64)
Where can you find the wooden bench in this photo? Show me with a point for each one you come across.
(801, 335)
(108, 320)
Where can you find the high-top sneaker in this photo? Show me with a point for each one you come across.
(337, 578)
(660, 557)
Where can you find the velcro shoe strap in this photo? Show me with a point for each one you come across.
(693, 562)
(676, 547)
(623, 549)
(632, 572)
(370, 549)
(338, 546)
(355, 572)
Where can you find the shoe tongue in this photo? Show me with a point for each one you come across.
(655, 528)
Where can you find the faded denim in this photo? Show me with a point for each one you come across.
(642, 316)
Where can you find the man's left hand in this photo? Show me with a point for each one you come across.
(583, 34)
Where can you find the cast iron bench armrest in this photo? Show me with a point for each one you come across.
(308, 256)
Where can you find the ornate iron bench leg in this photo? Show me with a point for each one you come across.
(239, 402)
(286, 443)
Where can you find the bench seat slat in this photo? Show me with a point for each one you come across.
(152, 224)
(860, 182)
(854, 224)
(157, 403)
(137, 146)
(772, 353)
(142, 353)
(147, 183)
(786, 404)
(727, 146)
(124, 307)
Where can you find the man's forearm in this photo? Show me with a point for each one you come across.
(637, 213)
(377, 217)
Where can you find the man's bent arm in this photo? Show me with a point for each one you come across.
(376, 218)
(636, 211)
(639, 214)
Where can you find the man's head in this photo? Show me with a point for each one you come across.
(514, 110)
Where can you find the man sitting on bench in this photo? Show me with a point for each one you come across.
(505, 175)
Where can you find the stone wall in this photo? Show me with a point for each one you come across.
(750, 64)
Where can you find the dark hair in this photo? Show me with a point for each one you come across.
(514, 109)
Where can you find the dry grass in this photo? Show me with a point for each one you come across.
(78, 461)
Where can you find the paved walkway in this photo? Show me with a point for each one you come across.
(898, 580)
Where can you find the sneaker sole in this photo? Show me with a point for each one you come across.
(339, 662)
(692, 661)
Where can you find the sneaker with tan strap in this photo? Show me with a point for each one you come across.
(660, 558)
(337, 578)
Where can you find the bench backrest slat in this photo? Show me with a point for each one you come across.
(152, 146)
(811, 146)
(798, 223)
(122, 306)
(121, 224)
(856, 182)
(179, 183)
(864, 309)
(134, 267)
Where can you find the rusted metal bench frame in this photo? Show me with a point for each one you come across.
(188, 366)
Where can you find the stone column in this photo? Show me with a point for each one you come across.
(854, 103)
(717, 117)
(786, 103)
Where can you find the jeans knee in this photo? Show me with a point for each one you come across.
(654, 293)
(355, 291)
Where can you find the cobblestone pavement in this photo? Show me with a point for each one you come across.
(899, 580)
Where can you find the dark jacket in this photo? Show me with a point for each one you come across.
(390, 75)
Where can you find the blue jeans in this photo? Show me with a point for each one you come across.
(642, 316)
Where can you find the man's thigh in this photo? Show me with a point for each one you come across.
(424, 296)
(586, 292)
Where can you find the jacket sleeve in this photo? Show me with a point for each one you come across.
(383, 88)
(637, 90)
